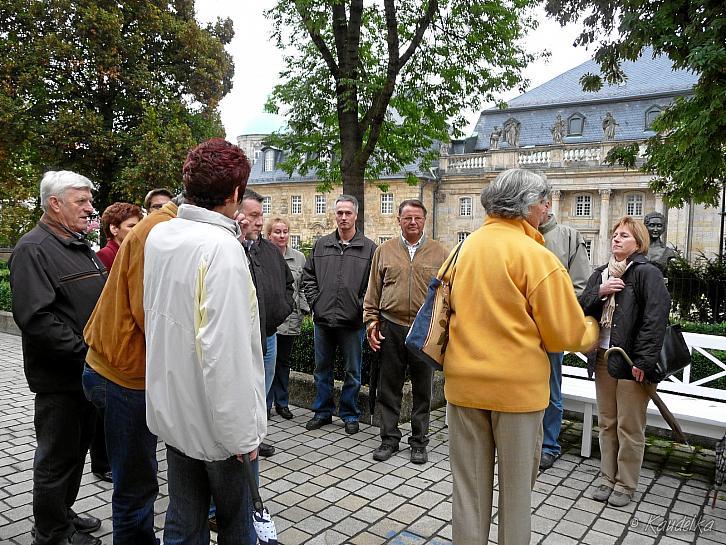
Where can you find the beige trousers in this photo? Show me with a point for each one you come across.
(475, 435)
(621, 416)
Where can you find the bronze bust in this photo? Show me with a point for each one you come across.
(659, 254)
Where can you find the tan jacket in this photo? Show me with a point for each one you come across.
(569, 247)
(115, 331)
(397, 286)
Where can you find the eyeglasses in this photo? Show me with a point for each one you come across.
(417, 219)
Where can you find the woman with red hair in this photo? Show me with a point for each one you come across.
(117, 220)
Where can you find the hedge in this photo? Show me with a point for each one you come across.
(5, 299)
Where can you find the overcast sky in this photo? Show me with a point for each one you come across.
(258, 62)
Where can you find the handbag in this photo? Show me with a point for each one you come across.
(429, 332)
(674, 356)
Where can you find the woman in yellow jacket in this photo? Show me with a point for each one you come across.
(512, 301)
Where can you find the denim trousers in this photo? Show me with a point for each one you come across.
(64, 423)
(278, 394)
(350, 342)
(269, 361)
(552, 421)
(192, 485)
(132, 455)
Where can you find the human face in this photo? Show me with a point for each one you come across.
(119, 232)
(345, 216)
(72, 208)
(623, 243)
(412, 222)
(279, 235)
(252, 209)
(655, 227)
(536, 213)
(157, 201)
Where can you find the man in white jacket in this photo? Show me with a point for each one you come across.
(205, 385)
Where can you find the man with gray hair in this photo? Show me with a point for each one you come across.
(56, 280)
(334, 281)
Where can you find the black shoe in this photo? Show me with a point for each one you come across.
(316, 423)
(266, 450)
(84, 525)
(419, 455)
(547, 460)
(269, 414)
(284, 412)
(352, 427)
(212, 521)
(103, 476)
(83, 539)
(384, 452)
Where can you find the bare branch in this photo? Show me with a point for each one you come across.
(318, 40)
(421, 27)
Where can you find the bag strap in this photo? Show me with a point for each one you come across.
(451, 260)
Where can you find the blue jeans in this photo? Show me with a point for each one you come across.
(552, 421)
(269, 360)
(278, 394)
(132, 455)
(350, 342)
(192, 484)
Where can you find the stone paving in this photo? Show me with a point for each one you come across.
(323, 487)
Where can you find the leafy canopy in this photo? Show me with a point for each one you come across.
(688, 154)
(117, 91)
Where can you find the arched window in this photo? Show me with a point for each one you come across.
(634, 204)
(650, 115)
(575, 125)
(269, 160)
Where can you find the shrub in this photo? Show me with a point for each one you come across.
(698, 289)
(5, 299)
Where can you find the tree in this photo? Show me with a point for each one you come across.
(688, 154)
(117, 91)
(371, 87)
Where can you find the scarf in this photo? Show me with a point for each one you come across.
(614, 269)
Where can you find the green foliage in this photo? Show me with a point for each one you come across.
(117, 91)
(5, 296)
(688, 155)
(371, 87)
(698, 289)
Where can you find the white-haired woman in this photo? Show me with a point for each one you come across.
(512, 301)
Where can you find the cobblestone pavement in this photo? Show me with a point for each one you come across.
(323, 487)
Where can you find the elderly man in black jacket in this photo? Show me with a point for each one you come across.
(56, 280)
(274, 283)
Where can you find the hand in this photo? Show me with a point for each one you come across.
(253, 456)
(638, 374)
(612, 285)
(374, 336)
(243, 222)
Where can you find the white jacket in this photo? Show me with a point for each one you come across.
(205, 381)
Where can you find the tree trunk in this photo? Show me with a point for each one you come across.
(354, 184)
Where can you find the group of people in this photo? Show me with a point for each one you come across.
(182, 326)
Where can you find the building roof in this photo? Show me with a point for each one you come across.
(651, 83)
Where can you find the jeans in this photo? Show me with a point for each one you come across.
(395, 359)
(64, 424)
(278, 394)
(132, 455)
(269, 360)
(350, 342)
(192, 484)
(552, 421)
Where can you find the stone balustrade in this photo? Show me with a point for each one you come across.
(582, 153)
(536, 157)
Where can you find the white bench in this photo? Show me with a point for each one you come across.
(699, 409)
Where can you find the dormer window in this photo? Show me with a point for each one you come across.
(575, 125)
(269, 165)
(650, 115)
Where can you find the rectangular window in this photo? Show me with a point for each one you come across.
(269, 161)
(588, 247)
(387, 203)
(295, 241)
(296, 204)
(461, 236)
(634, 205)
(583, 205)
(267, 205)
(320, 204)
(383, 239)
(465, 206)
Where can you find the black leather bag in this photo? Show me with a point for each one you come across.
(674, 356)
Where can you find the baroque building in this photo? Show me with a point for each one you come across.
(556, 129)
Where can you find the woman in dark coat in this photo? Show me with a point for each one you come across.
(629, 297)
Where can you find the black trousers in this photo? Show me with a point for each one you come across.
(278, 393)
(395, 360)
(64, 424)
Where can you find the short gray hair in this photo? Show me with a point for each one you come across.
(57, 182)
(513, 192)
(347, 198)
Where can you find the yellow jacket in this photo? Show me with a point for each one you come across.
(115, 331)
(512, 302)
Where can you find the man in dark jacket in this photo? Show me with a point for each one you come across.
(274, 283)
(334, 282)
(56, 280)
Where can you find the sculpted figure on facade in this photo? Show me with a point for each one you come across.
(494, 138)
(558, 130)
(444, 149)
(659, 254)
(608, 127)
(511, 132)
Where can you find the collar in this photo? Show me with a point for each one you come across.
(547, 226)
(518, 224)
(202, 215)
(355, 241)
(61, 232)
(416, 244)
(111, 243)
